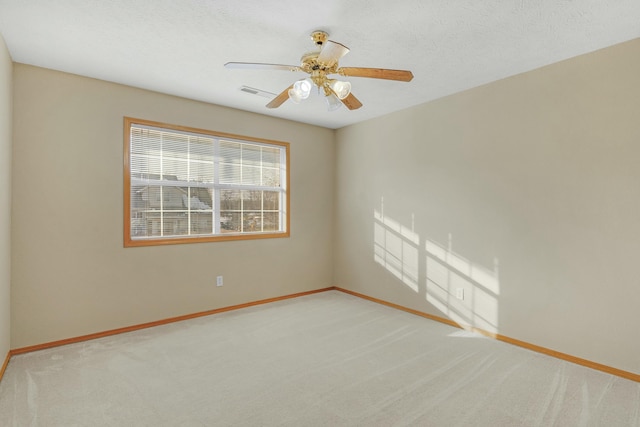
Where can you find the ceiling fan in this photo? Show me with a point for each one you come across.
(319, 64)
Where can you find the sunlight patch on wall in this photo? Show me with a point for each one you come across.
(396, 248)
(465, 291)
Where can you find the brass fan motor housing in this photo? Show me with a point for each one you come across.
(318, 71)
(309, 63)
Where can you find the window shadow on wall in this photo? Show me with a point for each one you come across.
(462, 290)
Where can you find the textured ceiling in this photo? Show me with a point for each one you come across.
(179, 47)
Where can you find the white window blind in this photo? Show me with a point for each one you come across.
(185, 184)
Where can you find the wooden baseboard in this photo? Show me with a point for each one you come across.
(538, 349)
(117, 331)
(4, 365)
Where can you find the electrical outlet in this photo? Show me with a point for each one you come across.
(460, 293)
(219, 281)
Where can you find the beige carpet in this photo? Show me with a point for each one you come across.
(327, 359)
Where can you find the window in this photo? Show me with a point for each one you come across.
(184, 185)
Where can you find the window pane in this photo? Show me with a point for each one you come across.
(201, 223)
(201, 172)
(230, 200)
(153, 222)
(138, 222)
(200, 199)
(175, 145)
(270, 157)
(175, 169)
(251, 175)
(271, 177)
(252, 222)
(229, 173)
(271, 200)
(139, 226)
(230, 152)
(251, 155)
(230, 222)
(150, 197)
(270, 221)
(201, 149)
(136, 200)
(252, 200)
(139, 164)
(144, 141)
(175, 223)
(173, 198)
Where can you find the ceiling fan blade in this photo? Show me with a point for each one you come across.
(331, 52)
(257, 66)
(279, 100)
(351, 102)
(377, 73)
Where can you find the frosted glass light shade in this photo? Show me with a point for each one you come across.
(300, 91)
(341, 89)
(333, 101)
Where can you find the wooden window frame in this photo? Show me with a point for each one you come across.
(159, 241)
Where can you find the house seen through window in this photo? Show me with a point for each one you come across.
(186, 185)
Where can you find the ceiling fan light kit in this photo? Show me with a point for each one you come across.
(333, 102)
(319, 64)
(341, 89)
(300, 91)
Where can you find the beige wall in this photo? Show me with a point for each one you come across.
(525, 193)
(71, 274)
(6, 71)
